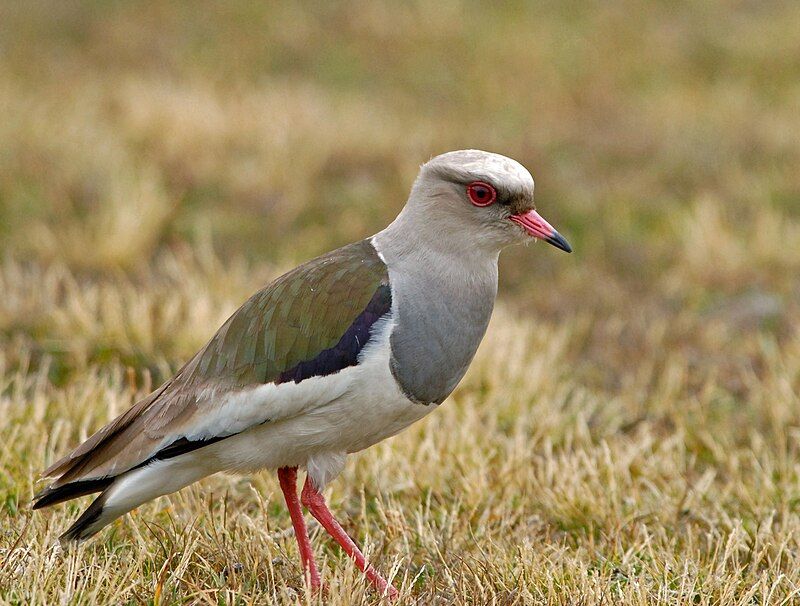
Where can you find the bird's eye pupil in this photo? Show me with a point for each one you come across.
(481, 194)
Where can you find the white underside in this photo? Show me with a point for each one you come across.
(312, 424)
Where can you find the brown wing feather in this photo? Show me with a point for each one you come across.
(299, 315)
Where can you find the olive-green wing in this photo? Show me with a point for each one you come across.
(310, 322)
(294, 319)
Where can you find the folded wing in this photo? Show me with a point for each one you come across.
(310, 322)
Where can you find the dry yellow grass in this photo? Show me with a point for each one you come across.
(630, 430)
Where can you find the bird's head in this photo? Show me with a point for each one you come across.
(484, 194)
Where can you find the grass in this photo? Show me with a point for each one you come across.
(629, 431)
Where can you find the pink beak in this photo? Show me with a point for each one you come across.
(537, 227)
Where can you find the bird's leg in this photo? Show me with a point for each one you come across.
(315, 502)
(287, 476)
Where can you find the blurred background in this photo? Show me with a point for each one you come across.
(160, 161)
(663, 136)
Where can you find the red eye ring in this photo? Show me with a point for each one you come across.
(481, 193)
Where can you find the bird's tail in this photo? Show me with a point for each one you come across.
(120, 494)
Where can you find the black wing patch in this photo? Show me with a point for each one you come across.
(182, 446)
(73, 490)
(345, 352)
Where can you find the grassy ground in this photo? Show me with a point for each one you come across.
(630, 430)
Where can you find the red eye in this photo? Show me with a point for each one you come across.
(480, 193)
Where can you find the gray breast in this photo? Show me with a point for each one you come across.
(439, 323)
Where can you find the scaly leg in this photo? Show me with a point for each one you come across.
(287, 476)
(315, 503)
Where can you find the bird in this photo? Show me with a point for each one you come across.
(340, 353)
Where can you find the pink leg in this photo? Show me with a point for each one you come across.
(287, 476)
(315, 502)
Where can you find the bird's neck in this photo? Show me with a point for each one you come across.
(442, 298)
(419, 238)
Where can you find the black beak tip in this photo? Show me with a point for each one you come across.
(558, 241)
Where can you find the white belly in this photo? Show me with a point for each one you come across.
(368, 406)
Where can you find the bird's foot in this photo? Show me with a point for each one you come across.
(315, 503)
